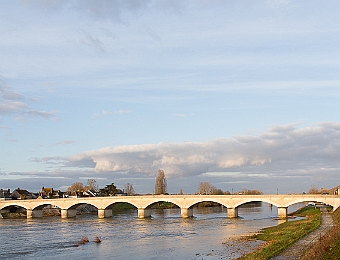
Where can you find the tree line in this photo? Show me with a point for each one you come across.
(108, 190)
(204, 188)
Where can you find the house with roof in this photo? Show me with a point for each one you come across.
(334, 191)
(19, 194)
(46, 193)
(50, 193)
(120, 192)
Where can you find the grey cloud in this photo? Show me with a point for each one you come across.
(56, 160)
(92, 41)
(43, 114)
(10, 104)
(109, 9)
(11, 95)
(289, 157)
(279, 150)
(114, 10)
(9, 101)
(104, 9)
(9, 107)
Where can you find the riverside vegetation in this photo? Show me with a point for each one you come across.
(278, 238)
(328, 246)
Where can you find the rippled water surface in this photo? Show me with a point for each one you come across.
(124, 236)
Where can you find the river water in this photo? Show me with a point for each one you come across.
(165, 236)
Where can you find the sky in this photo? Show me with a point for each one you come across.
(240, 94)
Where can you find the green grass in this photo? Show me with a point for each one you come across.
(278, 238)
(121, 207)
(163, 205)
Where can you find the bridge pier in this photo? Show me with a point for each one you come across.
(104, 213)
(232, 212)
(68, 213)
(3, 211)
(144, 213)
(282, 212)
(33, 213)
(187, 212)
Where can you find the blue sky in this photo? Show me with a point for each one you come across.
(241, 94)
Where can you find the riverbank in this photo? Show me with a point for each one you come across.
(277, 239)
(298, 249)
(327, 245)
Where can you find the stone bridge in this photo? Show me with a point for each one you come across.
(184, 202)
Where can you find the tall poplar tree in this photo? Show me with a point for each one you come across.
(161, 185)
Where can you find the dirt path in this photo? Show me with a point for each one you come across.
(296, 250)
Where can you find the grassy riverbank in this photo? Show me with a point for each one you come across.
(328, 246)
(122, 207)
(278, 238)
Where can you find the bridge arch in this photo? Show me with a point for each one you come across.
(267, 200)
(22, 205)
(115, 203)
(160, 201)
(318, 199)
(13, 210)
(212, 200)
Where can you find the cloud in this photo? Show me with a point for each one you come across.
(290, 157)
(116, 112)
(9, 100)
(9, 107)
(286, 150)
(108, 113)
(10, 95)
(53, 160)
(44, 114)
(101, 10)
(12, 102)
(65, 142)
(92, 41)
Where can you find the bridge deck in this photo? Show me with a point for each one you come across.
(184, 202)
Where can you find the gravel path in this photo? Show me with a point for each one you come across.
(296, 250)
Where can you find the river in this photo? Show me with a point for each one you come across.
(165, 236)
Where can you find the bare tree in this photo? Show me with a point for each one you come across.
(250, 192)
(92, 184)
(217, 191)
(205, 188)
(313, 190)
(77, 186)
(161, 185)
(129, 190)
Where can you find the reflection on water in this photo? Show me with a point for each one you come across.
(124, 236)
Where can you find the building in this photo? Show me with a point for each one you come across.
(5, 194)
(19, 194)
